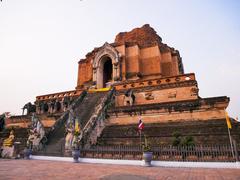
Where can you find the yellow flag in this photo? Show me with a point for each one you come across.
(76, 126)
(228, 120)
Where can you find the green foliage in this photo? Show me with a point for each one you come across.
(176, 134)
(76, 140)
(76, 133)
(76, 143)
(178, 140)
(188, 141)
(146, 146)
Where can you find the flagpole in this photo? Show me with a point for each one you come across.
(230, 139)
(229, 134)
(140, 138)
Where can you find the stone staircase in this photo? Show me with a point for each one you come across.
(86, 108)
(56, 136)
(94, 123)
(55, 144)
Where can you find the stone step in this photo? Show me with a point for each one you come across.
(86, 109)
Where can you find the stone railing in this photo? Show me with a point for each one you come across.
(93, 129)
(194, 153)
(154, 82)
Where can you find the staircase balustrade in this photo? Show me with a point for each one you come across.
(95, 125)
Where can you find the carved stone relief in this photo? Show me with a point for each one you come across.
(172, 94)
(194, 91)
(149, 96)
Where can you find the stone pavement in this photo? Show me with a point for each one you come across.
(36, 169)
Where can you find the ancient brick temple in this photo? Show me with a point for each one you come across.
(135, 55)
(136, 76)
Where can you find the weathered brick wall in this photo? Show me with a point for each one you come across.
(143, 55)
(18, 121)
(144, 36)
(203, 132)
(84, 72)
(160, 96)
(25, 121)
(172, 89)
(150, 59)
(158, 117)
(132, 60)
(191, 110)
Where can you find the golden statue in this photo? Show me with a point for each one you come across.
(9, 141)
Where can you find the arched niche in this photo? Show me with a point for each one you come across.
(107, 56)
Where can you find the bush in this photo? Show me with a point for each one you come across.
(176, 139)
(146, 146)
(188, 141)
(184, 141)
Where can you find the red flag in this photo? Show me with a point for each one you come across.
(140, 125)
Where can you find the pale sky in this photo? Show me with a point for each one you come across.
(42, 41)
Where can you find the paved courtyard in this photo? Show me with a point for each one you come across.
(36, 169)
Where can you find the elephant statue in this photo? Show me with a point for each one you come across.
(57, 106)
(66, 103)
(129, 98)
(29, 107)
(51, 106)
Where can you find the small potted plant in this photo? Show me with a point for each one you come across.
(75, 147)
(147, 153)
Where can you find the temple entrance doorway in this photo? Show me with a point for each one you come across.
(106, 67)
(107, 72)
